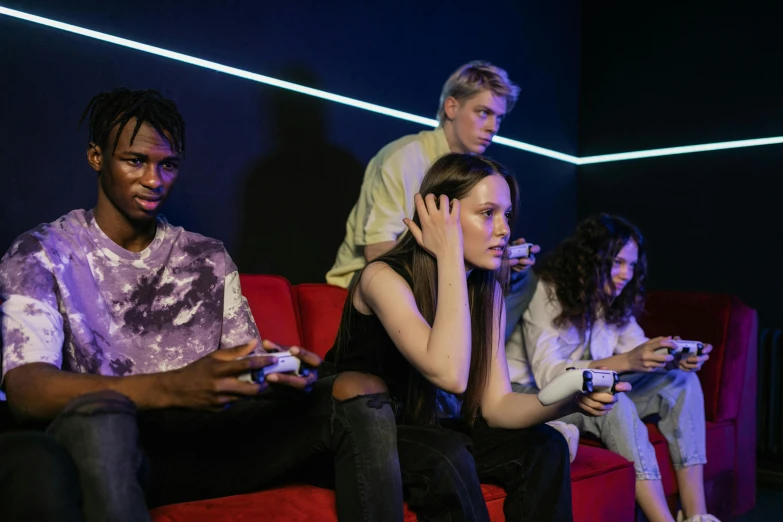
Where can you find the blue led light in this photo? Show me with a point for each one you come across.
(670, 151)
(268, 80)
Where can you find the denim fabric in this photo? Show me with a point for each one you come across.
(129, 461)
(675, 396)
(99, 431)
(532, 465)
(523, 287)
(439, 475)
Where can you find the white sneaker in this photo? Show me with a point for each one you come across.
(696, 518)
(571, 434)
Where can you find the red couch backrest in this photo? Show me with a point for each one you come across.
(719, 319)
(307, 315)
(320, 311)
(273, 304)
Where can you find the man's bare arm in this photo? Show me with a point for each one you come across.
(39, 391)
(377, 249)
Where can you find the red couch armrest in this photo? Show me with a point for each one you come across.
(320, 311)
(719, 319)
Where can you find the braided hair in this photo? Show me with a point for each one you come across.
(120, 105)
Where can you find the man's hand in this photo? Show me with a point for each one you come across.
(211, 382)
(644, 359)
(520, 264)
(308, 359)
(693, 363)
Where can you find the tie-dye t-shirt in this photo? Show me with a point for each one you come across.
(75, 299)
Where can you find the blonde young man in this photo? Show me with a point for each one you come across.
(474, 100)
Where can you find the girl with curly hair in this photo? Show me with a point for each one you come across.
(582, 315)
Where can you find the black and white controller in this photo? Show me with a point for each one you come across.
(286, 363)
(683, 348)
(575, 380)
(523, 250)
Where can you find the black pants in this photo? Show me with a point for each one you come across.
(249, 446)
(38, 480)
(531, 465)
(179, 455)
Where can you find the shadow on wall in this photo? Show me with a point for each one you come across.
(296, 199)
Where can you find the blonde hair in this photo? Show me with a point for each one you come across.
(474, 77)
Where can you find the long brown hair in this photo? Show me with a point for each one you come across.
(579, 272)
(454, 175)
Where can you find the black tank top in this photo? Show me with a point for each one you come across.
(368, 348)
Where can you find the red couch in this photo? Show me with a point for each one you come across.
(729, 383)
(602, 481)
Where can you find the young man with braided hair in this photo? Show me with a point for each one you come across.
(125, 336)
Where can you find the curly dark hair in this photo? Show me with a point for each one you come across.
(579, 272)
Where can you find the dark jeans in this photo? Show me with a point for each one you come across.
(38, 480)
(531, 465)
(253, 445)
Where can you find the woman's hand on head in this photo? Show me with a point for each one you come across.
(440, 233)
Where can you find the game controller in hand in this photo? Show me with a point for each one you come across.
(575, 380)
(683, 347)
(286, 363)
(523, 250)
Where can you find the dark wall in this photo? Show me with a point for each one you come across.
(681, 74)
(274, 174)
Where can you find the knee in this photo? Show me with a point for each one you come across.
(447, 453)
(553, 444)
(349, 385)
(100, 402)
(687, 380)
(94, 417)
(624, 408)
(682, 381)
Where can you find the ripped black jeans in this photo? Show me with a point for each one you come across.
(129, 460)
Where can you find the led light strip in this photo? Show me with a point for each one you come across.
(670, 151)
(267, 80)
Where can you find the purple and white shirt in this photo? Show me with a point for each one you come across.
(75, 299)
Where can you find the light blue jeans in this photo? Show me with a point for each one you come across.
(675, 396)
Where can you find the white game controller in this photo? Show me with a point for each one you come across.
(575, 380)
(523, 250)
(286, 363)
(683, 347)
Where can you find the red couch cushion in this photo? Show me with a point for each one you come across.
(272, 303)
(320, 311)
(298, 503)
(593, 473)
(602, 486)
(719, 319)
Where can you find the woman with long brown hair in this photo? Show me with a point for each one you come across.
(428, 318)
